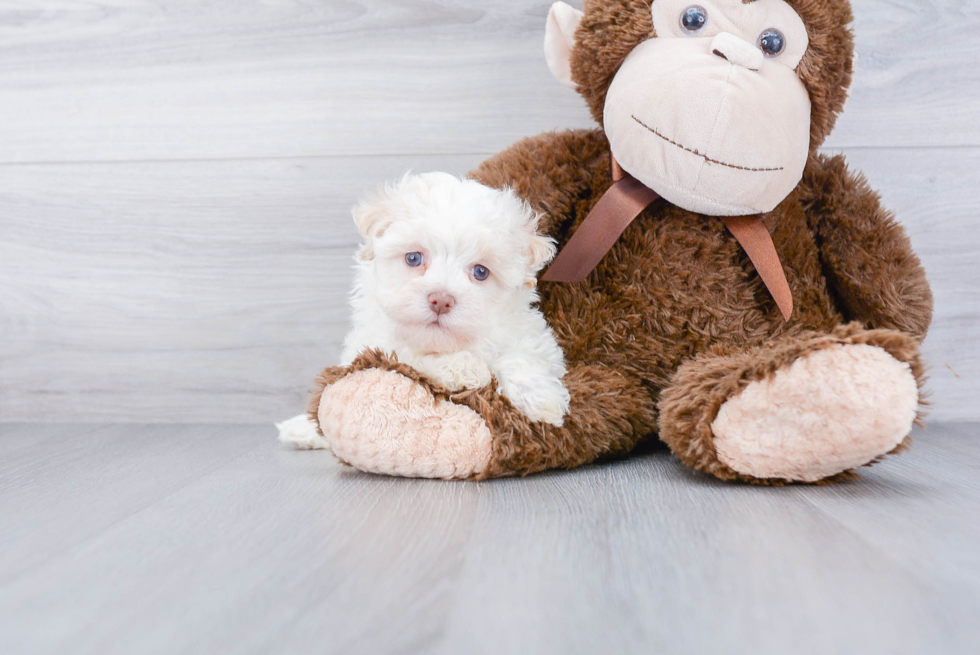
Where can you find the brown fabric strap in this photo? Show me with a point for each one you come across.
(617, 171)
(623, 202)
(757, 243)
(615, 210)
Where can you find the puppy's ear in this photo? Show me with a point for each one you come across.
(540, 249)
(372, 217)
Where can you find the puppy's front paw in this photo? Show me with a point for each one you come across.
(457, 371)
(543, 398)
(470, 372)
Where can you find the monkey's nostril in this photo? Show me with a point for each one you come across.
(720, 54)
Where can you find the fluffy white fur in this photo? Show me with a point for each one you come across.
(301, 433)
(437, 316)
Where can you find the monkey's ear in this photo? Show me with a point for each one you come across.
(559, 39)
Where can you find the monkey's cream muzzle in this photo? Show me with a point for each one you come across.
(709, 125)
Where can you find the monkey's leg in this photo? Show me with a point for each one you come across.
(384, 417)
(803, 408)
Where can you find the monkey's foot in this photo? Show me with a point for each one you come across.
(829, 411)
(383, 422)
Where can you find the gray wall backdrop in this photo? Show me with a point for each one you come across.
(175, 179)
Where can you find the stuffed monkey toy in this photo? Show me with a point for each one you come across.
(761, 314)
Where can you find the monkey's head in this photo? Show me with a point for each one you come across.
(714, 104)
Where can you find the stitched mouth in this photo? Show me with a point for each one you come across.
(701, 155)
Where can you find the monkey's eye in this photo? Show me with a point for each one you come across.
(414, 259)
(772, 42)
(481, 272)
(693, 19)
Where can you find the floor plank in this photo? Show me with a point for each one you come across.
(278, 550)
(174, 79)
(930, 492)
(255, 543)
(672, 564)
(58, 491)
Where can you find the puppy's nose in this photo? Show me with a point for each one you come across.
(441, 303)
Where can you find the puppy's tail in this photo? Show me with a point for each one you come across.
(301, 433)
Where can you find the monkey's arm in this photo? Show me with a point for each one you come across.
(866, 255)
(551, 171)
(384, 417)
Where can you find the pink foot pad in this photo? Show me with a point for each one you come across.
(828, 412)
(382, 422)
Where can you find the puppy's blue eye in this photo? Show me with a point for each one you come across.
(772, 42)
(414, 259)
(693, 19)
(481, 272)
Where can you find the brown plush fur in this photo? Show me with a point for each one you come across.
(675, 320)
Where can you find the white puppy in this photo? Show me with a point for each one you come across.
(445, 280)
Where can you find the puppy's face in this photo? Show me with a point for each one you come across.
(447, 257)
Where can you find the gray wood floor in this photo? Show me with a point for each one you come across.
(214, 539)
(175, 179)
